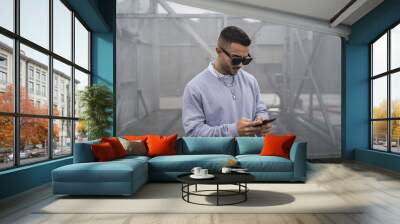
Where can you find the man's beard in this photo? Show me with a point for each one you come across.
(229, 70)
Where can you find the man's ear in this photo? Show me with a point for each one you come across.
(218, 50)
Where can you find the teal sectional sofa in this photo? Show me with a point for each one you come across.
(125, 176)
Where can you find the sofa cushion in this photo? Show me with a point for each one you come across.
(132, 158)
(277, 145)
(257, 163)
(185, 163)
(134, 147)
(208, 145)
(249, 145)
(135, 137)
(116, 145)
(161, 145)
(83, 152)
(103, 152)
(112, 171)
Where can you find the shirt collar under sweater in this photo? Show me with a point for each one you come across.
(217, 74)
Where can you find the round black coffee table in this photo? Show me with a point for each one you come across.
(238, 179)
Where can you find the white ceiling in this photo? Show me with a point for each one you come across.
(308, 14)
(320, 9)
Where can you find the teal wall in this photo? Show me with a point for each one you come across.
(357, 99)
(99, 16)
(103, 52)
(24, 178)
(102, 59)
(356, 124)
(381, 159)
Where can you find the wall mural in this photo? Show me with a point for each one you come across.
(162, 45)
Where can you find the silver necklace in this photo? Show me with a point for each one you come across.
(222, 78)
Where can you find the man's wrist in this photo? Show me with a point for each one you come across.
(262, 116)
(232, 129)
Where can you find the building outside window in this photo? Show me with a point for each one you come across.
(38, 89)
(3, 77)
(30, 72)
(55, 96)
(37, 75)
(43, 77)
(34, 80)
(3, 72)
(3, 80)
(30, 87)
(43, 90)
(3, 61)
(385, 92)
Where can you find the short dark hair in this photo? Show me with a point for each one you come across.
(233, 34)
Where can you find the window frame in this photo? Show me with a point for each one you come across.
(388, 74)
(16, 114)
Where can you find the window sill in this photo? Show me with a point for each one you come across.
(26, 167)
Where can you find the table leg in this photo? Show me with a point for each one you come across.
(188, 190)
(217, 194)
(182, 188)
(245, 193)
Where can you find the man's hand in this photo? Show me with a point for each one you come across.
(266, 128)
(245, 127)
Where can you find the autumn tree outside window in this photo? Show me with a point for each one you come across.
(39, 89)
(385, 91)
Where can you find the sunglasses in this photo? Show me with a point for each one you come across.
(236, 60)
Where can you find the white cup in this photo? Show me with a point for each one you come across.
(203, 172)
(196, 170)
(226, 170)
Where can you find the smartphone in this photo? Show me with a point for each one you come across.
(265, 122)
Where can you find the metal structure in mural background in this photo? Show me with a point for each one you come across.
(300, 87)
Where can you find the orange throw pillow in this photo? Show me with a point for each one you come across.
(103, 152)
(161, 145)
(116, 145)
(275, 145)
(136, 137)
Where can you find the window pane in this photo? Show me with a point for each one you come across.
(34, 82)
(62, 138)
(62, 89)
(395, 132)
(7, 14)
(379, 135)
(395, 94)
(395, 47)
(379, 100)
(81, 81)
(81, 45)
(33, 139)
(6, 142)
(379, 55)
(35, 21)
(6, 74)
(62, 29)
(81, 131)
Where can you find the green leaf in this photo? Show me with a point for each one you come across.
(96, 102)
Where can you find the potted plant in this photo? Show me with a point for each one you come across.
(96, 102)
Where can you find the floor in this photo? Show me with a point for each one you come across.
(378, 188)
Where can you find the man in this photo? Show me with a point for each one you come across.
(223, 99)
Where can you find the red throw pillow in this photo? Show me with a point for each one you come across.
(116, 145)
(161, 145)
(275, 145)
(103, 151)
